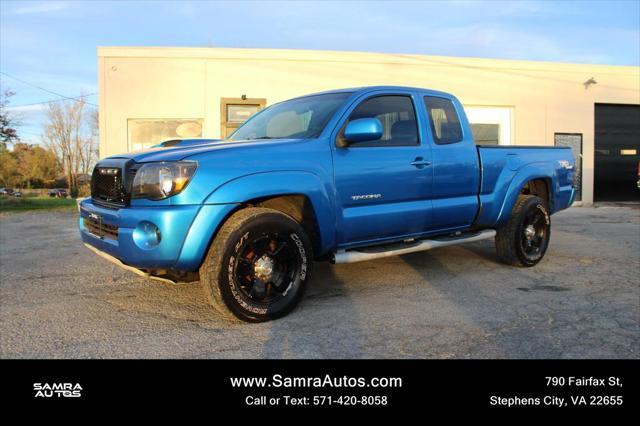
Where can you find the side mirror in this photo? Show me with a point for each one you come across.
(360, 130)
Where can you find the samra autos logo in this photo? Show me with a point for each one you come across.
(57, 390)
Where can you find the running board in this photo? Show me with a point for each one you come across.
(377, 252)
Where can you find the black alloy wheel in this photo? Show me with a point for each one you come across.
(266, 267)
(258, 265)
(524, 239)
(534, 233)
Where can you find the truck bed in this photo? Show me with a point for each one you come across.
(505, 168)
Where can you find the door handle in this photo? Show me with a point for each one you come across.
(420, 163)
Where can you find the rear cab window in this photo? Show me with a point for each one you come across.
(443, 120)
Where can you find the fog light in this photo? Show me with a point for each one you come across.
(146, 235)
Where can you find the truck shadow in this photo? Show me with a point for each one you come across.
(485, 251)
(496, 319)
(326, 321)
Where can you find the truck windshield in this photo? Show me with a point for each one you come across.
(300, 118)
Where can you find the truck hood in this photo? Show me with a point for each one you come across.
(180, 152)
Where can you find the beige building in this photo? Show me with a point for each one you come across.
(153, 94)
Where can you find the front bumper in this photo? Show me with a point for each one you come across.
(185, 233)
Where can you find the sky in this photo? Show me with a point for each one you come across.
(52, 44)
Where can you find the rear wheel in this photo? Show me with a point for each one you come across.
(258, 265)
(524, 239)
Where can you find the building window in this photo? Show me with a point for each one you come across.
(240, 113)
(144, 133)
(486, 134)
(490, 125)
(235, 111)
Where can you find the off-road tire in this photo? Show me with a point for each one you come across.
(219, 284)
(509, 238)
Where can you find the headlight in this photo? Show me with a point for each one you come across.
(156, 181)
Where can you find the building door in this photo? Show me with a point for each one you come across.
(573, 141)
(617, 152)
(235, 111)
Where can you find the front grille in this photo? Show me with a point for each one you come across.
(100, 229)
(107, 186)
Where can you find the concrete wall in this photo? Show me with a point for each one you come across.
(138, 83)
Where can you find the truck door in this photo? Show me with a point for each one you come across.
(456, 169)
(383, 186)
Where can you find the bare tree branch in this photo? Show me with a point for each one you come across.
(70, 133)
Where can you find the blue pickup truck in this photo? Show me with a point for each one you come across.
(344, 176)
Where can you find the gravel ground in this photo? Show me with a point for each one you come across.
(57, 299)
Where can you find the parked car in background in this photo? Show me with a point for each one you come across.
(58, 193)
(344, 176)
(9, 192)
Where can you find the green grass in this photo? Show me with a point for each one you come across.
(15, 204)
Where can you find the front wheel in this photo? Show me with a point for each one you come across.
(258, 265)
(524, 239)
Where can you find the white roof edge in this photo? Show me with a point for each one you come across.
(224, 53)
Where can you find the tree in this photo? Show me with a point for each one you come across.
(8, 133)
(69, 134)
(36, 165)
(9, 176)
(27, 166)
(89, 153)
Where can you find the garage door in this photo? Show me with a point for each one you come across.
(617, 152)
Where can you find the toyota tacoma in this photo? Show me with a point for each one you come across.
(342, 176)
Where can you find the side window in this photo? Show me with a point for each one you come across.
(398, 118)
(444, 121)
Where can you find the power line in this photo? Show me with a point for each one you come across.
(42, 88)
(54, 100)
